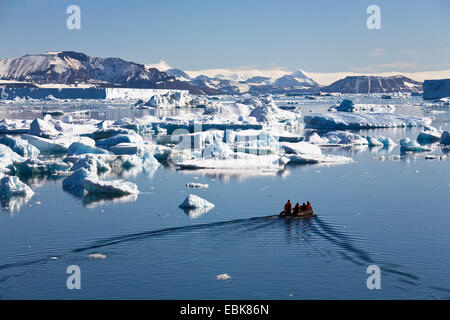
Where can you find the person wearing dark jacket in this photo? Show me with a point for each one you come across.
(296, 209)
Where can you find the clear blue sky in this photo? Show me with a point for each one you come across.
(317, 36)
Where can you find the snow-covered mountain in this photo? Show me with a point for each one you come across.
(374, 84)
(68, 67)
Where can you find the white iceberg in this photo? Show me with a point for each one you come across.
(195, 202)
(197, 185)
(42, 128)
(345, 138)
(348, 106)
(119, 138)
(110, 187)
(77, 178)
(11, 186)
(46, 145)
(348, 120)
(35, 166)
(20, 146)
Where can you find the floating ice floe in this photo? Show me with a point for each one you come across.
(347, 120)
(78, 148)
(42, 128)
(197, 185)
(11, 186)
(268, 111)
(7, 158)
(253, 141)
(348, 106)
(9, 126)
(20, 146)
(304, 152)
(35, 166)
(220, 156)
(97, 256)
(119, 138)
(110, 187)
(429, 134)
(345, 138)
(223, 276)
(195, 206)
(409, 145)
(46, 145)
(76, 179)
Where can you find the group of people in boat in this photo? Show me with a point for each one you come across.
(298, 210)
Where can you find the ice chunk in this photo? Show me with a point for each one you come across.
(195, 202)
(92, 162)
(348, 106)
(253, 141)
(35, 166)
(11, 186)
(223, 276)
(46, 145)
(409, 145)
(445, 138)
(429, 134)
(127, 148)
(345, 138)
(7, 158)
(348, 120)
(111, 187)
(42, 128)
(77, 178)
(97, 256)
(197, 185)
(268, 111)
(20, 146)
(301, 148)
(78, 148)
(120, 138)
(14, 126)
(314, 138)
(316, 158)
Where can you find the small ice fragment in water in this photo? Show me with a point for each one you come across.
(223, 276)
(97, 256)
(197, 185)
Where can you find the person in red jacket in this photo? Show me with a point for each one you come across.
(308, 206)
(288, 207)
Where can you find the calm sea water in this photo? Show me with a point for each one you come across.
(394, 214)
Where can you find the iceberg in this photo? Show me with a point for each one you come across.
(119, 138)
(429, 134)
(78, 148)
(110, 187)
(304, 152)
(347, 120)
(9, 126)
(345, 138)
(94, 163)
(195, 206)
(268, 111)
(197, 185)
(46, 145)
(408, 145)
(77, 178)
(348, 106)
(7, 158)
(42, 128)
(20, 146)
(35, 166)
(301, 148)
(11, 186)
